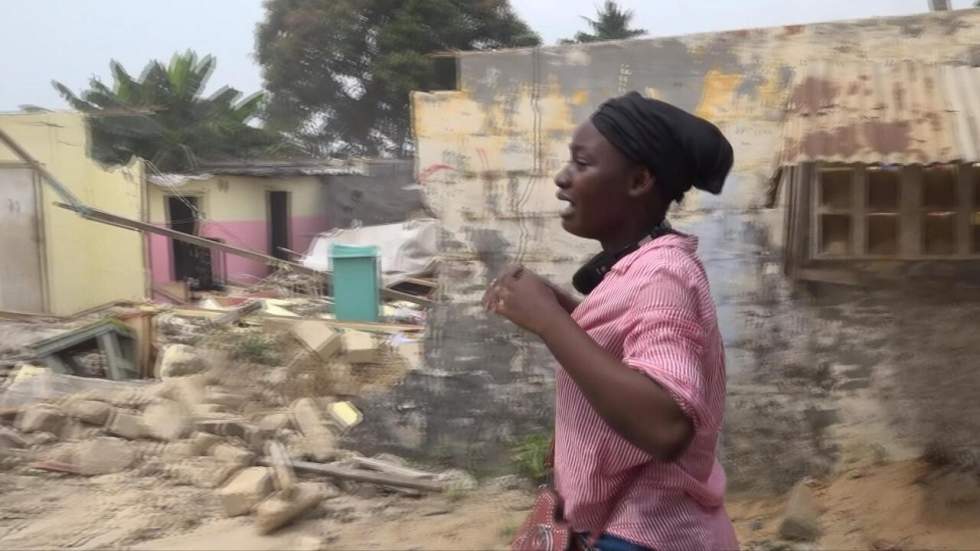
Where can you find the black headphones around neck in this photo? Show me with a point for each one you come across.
(589, 276)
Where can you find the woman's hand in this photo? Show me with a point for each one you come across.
(524, 298)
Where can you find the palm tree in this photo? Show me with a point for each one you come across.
(162, 117)
(611, 23)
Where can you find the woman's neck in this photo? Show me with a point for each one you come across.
(630, 234)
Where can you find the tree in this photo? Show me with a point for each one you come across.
(340, 71)
(611, 23)
(162, 117)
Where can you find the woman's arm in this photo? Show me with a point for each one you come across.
(636, 407)
(568, 302)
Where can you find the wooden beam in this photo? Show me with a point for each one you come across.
(362, 476)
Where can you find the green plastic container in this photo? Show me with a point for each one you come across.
(356, 282)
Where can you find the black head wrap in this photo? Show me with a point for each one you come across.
(680, 149)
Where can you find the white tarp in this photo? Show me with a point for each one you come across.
(406, 249)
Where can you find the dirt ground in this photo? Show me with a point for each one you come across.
(904, 505)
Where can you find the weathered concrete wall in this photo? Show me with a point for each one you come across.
(816, 377)
(385, 195)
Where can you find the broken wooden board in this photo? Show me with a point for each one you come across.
(381, 479)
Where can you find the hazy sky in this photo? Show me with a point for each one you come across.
(73, 40)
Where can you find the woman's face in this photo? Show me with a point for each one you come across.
(599, 186)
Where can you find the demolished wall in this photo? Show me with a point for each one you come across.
(817, 376)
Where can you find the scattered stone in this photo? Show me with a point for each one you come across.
(104, 456)
(801, 519)
(43, 439)
(203, 442)
(190, 390)
(230, 453)
(92, 412)
(127, 425)
(278, 511)
(212, 412)
(245, 490)
(41, 418)
(360, 347)
(457, 480)
(275, 422)
(10, 439)
(167, 420)
(508, 483)
(318, 337)
(236, 427)
(178, 360)
(179, 450)
(318, 439)
(202, 472)
(226, 399)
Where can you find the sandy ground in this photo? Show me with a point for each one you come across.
(904, 505)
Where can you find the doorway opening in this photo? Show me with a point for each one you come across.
(279, 224)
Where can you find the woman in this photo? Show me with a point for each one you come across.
(640, 389)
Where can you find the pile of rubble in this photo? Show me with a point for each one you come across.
(265, 438)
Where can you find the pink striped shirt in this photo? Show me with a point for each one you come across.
(654, 311)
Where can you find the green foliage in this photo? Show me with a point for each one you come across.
(340, 71)
(530, 456)
(611, 23)
(162, 117)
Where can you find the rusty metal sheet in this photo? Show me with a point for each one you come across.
(883, 113)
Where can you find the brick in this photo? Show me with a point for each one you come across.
(279, 510)
(167, 420)
(318, 439)
(318, 337)
(360, 347)
(801, 519)
(104, 456)
(230, 453)
(127, 425)
(245, 490)
(41, 418)
(89, 411)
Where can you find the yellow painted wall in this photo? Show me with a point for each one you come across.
(88, 263)
(242, 198)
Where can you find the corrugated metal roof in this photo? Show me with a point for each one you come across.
(899, 113)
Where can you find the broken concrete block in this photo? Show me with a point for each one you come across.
(225, 399)
(127, 425)
(245, 490)
(318, 337)
(190, 390)
(10, 439)
(458, 480)
(176, 451)
(92, 412)
(801, 519)
(278, 510)
(275, 422)
(319, 440)
(203, 442)
(167, 420)
(230, 453)
(235, 427)
(178, 360)
(104, 456)
(41, 418)
(360, 347)
(202, 472)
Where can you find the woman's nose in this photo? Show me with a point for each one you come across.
(561, 179)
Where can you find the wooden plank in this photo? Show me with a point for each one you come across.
(362, 476)
(389, 468)
(360, 326)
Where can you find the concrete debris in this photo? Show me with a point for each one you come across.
(457, 480)
(10, 439)
(104, 456)
(203, 473)
(278, 510)
(176, 451)
(211, 411)
(92, 412)
(234, 427)
(245, 490)
(203, 442)
(360, 347)
(42, 439)
(226, 399)
(167, 420)
(801, 519)
(41, 418)
(275, 422)
(318, 337)
(319, 439)
(189, 391)
(127, 425)
(282, 468)
(507, 483)
(178, 360)
(230, 453)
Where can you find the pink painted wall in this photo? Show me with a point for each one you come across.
(249, 234)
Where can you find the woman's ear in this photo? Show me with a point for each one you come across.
(642, 182)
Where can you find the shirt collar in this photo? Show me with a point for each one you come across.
(676, 240)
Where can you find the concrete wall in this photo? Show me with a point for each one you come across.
(818, 377)
(235, 209)
(87, 263)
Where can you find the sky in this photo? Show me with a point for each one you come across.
(73, 40)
